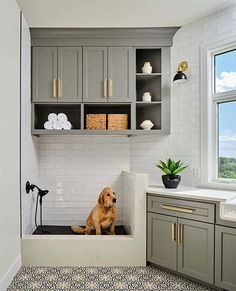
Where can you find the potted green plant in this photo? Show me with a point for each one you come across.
(171, 168)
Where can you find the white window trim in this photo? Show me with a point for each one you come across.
(208, 127)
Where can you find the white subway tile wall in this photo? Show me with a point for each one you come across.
(184, 140)
(29, 143)
(76, 168)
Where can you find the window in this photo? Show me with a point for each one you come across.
(227, 140)
(218, 145)
(225, 71)
(224, 74)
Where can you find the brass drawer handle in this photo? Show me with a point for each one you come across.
(59, 88)
(110, 88)
(178, 209)
(180, 233)
(173, 232)
(54, 90)
(105, 88)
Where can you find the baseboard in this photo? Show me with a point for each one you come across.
(7, 278)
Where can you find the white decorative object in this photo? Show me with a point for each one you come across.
(66, 125)
(57, 125)
(52, 117)
(146, 124)
(147, 97)
(147, 68)
(48, 125)
(62, 117)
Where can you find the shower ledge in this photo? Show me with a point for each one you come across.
(228, 210)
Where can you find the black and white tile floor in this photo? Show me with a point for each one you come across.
(100, 278)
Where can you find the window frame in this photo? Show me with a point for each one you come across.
(209, 115)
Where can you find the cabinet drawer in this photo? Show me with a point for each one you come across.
(182, 208)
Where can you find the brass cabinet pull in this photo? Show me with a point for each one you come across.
(180, 233)
(110, 88)
(105, 88)
(173, 232)
(179, 209)
(59, 88)
(54, 90)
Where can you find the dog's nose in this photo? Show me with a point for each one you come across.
(114, 200)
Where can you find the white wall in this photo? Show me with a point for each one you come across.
(184, 141)
(29, 143)
(75, 169)
(10, 136)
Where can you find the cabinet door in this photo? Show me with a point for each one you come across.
(120, 74)
(44, 74)
(70, 74)
(225, 257)
(94, 74)
(196, 249)
(161, 241)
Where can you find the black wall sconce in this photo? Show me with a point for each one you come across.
(180, 77)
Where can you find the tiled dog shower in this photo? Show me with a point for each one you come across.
(75, 169)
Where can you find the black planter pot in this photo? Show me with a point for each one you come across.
(171, 181)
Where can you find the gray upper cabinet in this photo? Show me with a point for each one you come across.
(225, 257)
(162, 244)
(107, 74)
(57, 74)
(94, 74)
(196, 249)
(120, 74)
(44, 75)
(70, 74)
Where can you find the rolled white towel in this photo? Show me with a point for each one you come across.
(52, 117)
(62, 117)
(48, 125)
(66, 125)
(57, 125)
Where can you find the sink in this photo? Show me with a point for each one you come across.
(228, 210)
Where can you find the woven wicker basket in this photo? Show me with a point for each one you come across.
(117, 121)
(96, 121)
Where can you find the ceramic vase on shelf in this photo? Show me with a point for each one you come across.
(147, 68)
(146, 124)
(147, 97)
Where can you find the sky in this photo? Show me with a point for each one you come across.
(225, 72)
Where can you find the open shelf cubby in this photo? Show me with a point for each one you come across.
(152, 55)
(151, 84)
(148, 82)
(107, 109)
(148, 111)
(41, 112)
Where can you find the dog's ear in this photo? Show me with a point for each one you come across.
(101, 198)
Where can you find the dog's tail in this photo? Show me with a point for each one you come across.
(78, 229)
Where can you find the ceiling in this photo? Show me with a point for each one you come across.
(117, 13)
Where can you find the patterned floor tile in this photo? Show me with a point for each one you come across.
(100, 278)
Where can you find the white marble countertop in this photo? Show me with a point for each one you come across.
(194, 193)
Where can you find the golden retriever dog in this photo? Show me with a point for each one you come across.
(103, 214)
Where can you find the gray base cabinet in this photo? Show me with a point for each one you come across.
(225, 257)
(181, 244)
(162, 247)
(196, 250)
